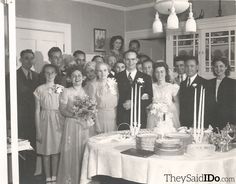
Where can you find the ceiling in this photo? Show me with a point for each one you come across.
(127, 3)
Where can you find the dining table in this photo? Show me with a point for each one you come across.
(104, 155)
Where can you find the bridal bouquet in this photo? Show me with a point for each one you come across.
(160, 109)
(85, 109)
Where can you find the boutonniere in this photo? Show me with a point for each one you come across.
(194, 85)
(140, 81)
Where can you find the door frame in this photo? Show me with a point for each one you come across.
(35, 24)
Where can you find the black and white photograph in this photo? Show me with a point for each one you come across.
(118, 91)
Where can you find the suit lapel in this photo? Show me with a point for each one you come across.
(138, 75)
(125, 78)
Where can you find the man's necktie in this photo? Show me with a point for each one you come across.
(28, 76)
(130, 78)
(180, 78)
(188, 82)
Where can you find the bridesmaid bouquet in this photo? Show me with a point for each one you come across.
(85, 109)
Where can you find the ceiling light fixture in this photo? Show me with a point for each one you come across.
(171, 8)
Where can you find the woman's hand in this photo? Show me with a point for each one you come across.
(39, 137)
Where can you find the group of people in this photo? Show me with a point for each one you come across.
(46, 100)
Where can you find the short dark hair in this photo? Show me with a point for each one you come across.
(147, 60)
(179, 58)
(130, 51)
(161, 64)
(42, 73)
(26, 51)
(134, 41)
(225, 61)
(74, 68)
(52, 50)
(144, 56)
(114, 38)
(194, 58)
(97, 56)
(77, 52)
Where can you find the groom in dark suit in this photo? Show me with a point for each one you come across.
(126, 80)
(186, 93)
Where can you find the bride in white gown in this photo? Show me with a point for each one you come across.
(165, 99)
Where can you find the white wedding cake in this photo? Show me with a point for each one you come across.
(164, 125)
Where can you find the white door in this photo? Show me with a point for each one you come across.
(40, 42)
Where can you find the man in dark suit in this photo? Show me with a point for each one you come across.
(27, 81)
(186, 93)
(126, 80)
(180, 69)
(55, 58)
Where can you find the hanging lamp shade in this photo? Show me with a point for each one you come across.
(157, 24)
(191, 25)
(172, 21)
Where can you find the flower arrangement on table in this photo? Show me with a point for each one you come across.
(222, 138)
(84, 108)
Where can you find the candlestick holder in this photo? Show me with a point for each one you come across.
(134, 129)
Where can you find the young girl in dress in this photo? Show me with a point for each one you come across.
(48, 121)
(76, 130)
(106, 96)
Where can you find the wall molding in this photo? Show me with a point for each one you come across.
(34, 24)
(116, 7)
(102, 4)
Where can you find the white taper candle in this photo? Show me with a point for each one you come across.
(135, 105)
(139, 105)
(203, 114)
(195, 114)
(132, 106)
(199, 110)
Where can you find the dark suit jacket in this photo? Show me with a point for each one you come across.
(124, 88)
(186, 100)
(26, 105)
(224, 109)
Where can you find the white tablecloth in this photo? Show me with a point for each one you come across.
(102, 157)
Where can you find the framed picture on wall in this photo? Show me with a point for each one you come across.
(99, 40)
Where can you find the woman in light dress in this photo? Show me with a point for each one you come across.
(49, 121)
(106, 96)
(76, 131)
(164, 93)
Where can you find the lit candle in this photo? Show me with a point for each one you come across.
(135, 105)
(139, 105)
(195, 114)
(132, 106)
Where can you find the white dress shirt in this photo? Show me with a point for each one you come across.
(191, 79)
(132, 74)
